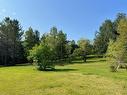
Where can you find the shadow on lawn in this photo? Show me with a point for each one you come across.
(64, 70)
(88, 61)
(60, 70)
(27, 64)
(17, 65)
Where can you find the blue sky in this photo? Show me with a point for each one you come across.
(77, 18)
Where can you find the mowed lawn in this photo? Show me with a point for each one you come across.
(91, 78)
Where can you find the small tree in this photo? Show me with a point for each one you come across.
(77, 52)
(42, 55)
(85, 48)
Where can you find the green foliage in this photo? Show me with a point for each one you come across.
(10, 42)
(117, 20)
(53, 48)
(43, 57)
(77, 52)
(68, 48)
(84, 49)
(31, 39)
(117, 51)
(85, 46)
(108, 31)
(57, 41)
(73, 46)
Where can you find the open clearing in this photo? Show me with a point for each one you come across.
(91, 78)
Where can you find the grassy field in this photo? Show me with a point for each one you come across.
(91, 78)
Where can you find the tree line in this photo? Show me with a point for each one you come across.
(13, 49)
(111, 41)
(19, 46)
(107, 31)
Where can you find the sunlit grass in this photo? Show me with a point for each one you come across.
(91, 78)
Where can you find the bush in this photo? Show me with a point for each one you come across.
(43, 57)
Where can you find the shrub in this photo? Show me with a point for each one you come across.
(43, 57)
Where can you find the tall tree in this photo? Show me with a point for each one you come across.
(117, 51)
(106, 32)
(61, 44)
(57, 41)
(31, 39)
(12, 34)
(73, 46)
(37, 36)
(117, 20)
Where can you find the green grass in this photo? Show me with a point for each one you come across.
(91, 78)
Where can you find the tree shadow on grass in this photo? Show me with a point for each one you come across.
(27, 64)
(64, 70)
(60, 70)
(87, 61)
(17, 65)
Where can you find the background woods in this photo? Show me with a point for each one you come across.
(53, 47)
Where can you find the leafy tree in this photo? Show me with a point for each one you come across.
(57, 41)
(117, 51)
(85, 45)
(61, 45)
(106, 32)
(43, 38)
(117, 20)
(43, 57)
(53, 47)
(77, 52)
(84, 49)
(73, 46)
(51, 39)
(68, 48)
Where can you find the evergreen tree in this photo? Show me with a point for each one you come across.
(31, 39)
(11, 35)
(106, 32)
